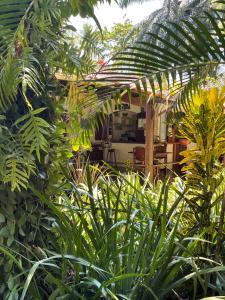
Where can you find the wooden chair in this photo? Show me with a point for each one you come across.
(139, 158)
(160, 153)
(139, 155)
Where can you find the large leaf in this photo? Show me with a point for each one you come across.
(177, 58)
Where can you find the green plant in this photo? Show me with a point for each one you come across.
(120, 239)
(35, 42)
(34, 45)
(24, 223)
(204, 125)
(174, 56)
(19, 145)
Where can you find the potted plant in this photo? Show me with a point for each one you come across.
(184, 141)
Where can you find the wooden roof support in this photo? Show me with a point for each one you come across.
(149, 140)
(136, 100)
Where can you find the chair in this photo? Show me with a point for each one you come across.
(139, 155)
(161, 154)
(139, 158)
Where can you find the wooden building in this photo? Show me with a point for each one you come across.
(135, 133)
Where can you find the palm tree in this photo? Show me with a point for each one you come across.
(171, 11)
(180, 52)
(177, 53)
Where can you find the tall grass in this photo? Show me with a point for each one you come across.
(118, 237)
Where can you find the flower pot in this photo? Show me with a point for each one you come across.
(184, 142)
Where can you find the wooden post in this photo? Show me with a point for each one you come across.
(149, 140)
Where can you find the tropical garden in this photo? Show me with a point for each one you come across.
(106, 234)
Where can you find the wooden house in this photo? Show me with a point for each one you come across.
(136, 135)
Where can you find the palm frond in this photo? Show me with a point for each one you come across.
(12, 39)
(19, 145)
(185, 53)
(178, 58)
(17, 170)
(171, 11)
(16, 163)
(34, 132)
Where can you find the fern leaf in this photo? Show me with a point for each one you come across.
(34, 132)
(17, 170)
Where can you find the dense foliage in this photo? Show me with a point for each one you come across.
(103, 235)
(34, 44)
(114, 239)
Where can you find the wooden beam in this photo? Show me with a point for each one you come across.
(149, 140)
(136, 100)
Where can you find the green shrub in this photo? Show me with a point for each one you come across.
(117, 237)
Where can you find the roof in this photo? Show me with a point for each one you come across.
(108, 80)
